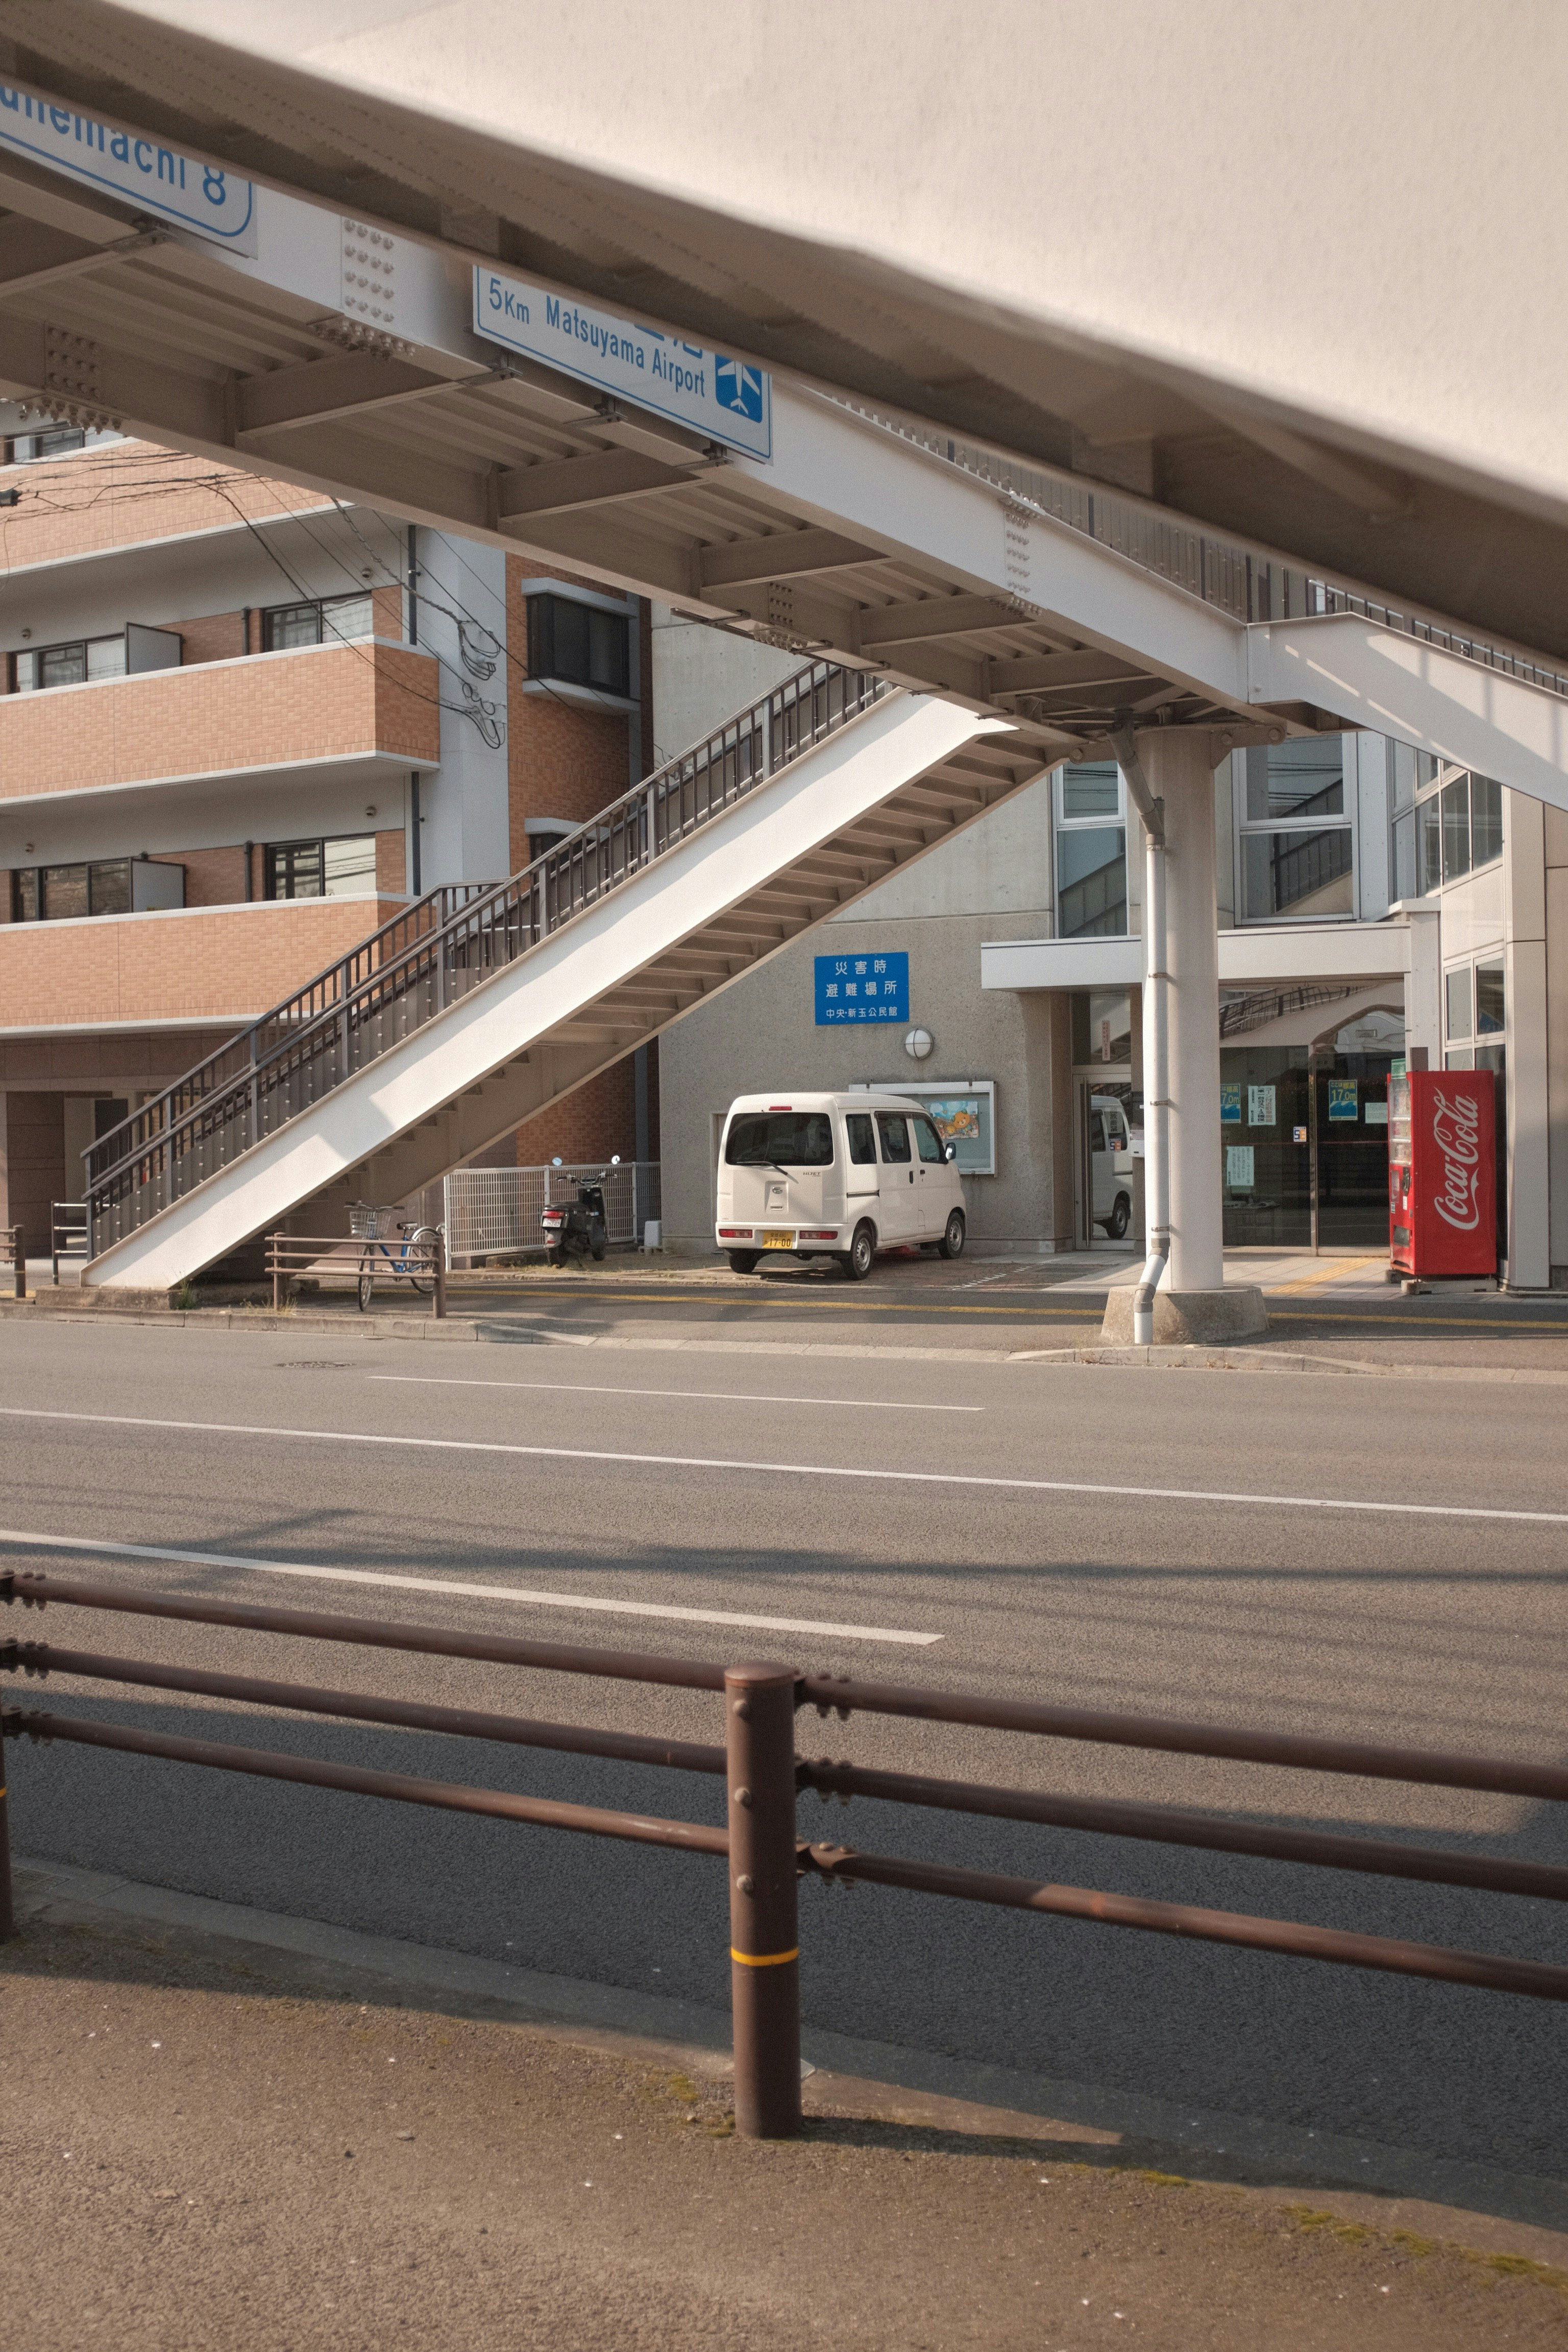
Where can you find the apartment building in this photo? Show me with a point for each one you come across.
(241, 726)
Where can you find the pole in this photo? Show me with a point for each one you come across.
(765, 1936)
(438, 1302)
(1312, 1142)
(19, 1260)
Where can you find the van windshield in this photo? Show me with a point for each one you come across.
(780, 1138)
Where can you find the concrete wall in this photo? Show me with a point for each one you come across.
(701, 677)
(989, 882)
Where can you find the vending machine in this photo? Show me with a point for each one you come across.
(1442, 1172)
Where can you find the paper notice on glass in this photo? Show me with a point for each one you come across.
(1230, 1106)
(1260, 1110)
(1238, 1167)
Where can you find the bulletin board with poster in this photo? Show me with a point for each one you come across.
(963, 1113)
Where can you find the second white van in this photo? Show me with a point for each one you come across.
(838, 1176)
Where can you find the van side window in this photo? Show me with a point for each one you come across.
(928, 1143)
(1097, 1132)
(895, 1133)
(862, 1140)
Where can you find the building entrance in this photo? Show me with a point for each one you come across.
(1281, 1117)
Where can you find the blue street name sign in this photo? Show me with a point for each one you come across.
(721, 398)
(158, 179)
(862, 988)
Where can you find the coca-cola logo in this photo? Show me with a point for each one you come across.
(1457, 1132)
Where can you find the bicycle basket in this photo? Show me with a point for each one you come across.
(368, 1224)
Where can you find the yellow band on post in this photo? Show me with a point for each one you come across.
(763, 1959)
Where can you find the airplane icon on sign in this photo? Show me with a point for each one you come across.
(738, 387)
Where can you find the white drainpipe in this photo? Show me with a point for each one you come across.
(1156, 1048)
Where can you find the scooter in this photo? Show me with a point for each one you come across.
(575, 1230)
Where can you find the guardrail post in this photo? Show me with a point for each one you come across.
(19, 1259)
(277, 1256)
(764, 1944)
(438, 1302)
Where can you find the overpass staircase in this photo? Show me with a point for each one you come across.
(477, 1006)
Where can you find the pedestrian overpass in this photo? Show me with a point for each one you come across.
(983, 608)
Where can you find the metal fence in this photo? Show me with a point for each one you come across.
(764, 1855)
(495, 1211)
(437, 951)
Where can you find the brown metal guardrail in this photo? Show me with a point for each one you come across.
(765, 1855)
(418, 1257)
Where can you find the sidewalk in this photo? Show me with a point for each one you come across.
(222, 2128)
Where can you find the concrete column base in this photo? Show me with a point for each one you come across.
(1189, 1318)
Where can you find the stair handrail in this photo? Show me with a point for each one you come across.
(239, 1065)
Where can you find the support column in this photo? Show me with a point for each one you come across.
(1194, 1304)
(1180, 769)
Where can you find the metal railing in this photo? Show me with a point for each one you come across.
(1250, 582)
(433, 952)
(416, 1257)
(760, 1845)
(495, 1211)
(13, 1242)
(69, 1233)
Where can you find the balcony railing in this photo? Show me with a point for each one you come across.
(448, 944)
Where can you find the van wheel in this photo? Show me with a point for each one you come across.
(1121, 1217)
(856, 1259)
(743, 1261)
(951, 1242)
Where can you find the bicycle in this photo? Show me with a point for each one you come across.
(413, 1260)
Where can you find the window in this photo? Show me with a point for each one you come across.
(862, 1138)
(928, 1143)
(1456, 993)
(1092, 853)
(1298, 837)
(1454, 827)
(344, 868)
(89, 657)
(788, 1139)
(55, 894)
(331, 618)
(1491, 1001)
(28, 447)
(894, 1130)
(579, 644)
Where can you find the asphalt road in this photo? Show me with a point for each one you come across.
(832, 1494)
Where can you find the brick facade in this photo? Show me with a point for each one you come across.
(276, 711)
(128, 494)
(214, 965)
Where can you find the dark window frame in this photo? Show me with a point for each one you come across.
(580, 644)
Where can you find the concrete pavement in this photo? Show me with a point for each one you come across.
(749, 1498)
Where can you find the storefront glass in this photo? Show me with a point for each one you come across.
(1266, 1119)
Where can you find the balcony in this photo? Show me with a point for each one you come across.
(205, 967)
(345, 713)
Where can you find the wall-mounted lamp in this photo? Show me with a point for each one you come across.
(918, 1044)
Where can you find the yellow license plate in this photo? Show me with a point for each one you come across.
(773, 1238)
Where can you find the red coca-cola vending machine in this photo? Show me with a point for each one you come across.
(1442, 1172)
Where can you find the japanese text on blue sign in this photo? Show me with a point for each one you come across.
(862, 988)
(720, 398)
(161, 180)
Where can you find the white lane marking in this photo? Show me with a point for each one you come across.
(697, 1396)
(26, 1535)
(801, 1469)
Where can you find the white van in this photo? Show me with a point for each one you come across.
(838, 1176)
(1112, 1164)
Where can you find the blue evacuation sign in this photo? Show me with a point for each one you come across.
(862, 988)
